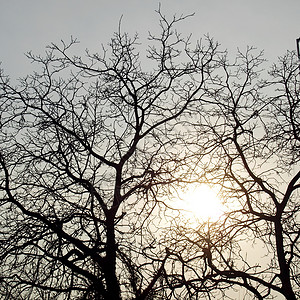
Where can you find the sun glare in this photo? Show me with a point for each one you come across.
(202, 203)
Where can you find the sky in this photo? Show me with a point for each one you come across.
(30, 25)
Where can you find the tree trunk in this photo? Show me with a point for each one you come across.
(112, 283)
(287, 290)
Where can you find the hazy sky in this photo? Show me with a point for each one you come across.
(272, 25)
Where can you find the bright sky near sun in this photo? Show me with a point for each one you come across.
(200, 203)
(272, 25)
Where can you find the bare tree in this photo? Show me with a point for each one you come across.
(89, 147)
(248, 141)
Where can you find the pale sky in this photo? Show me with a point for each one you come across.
(272, 25)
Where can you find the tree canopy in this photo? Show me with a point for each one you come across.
(94, 149)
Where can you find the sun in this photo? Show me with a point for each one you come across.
(202, 203)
